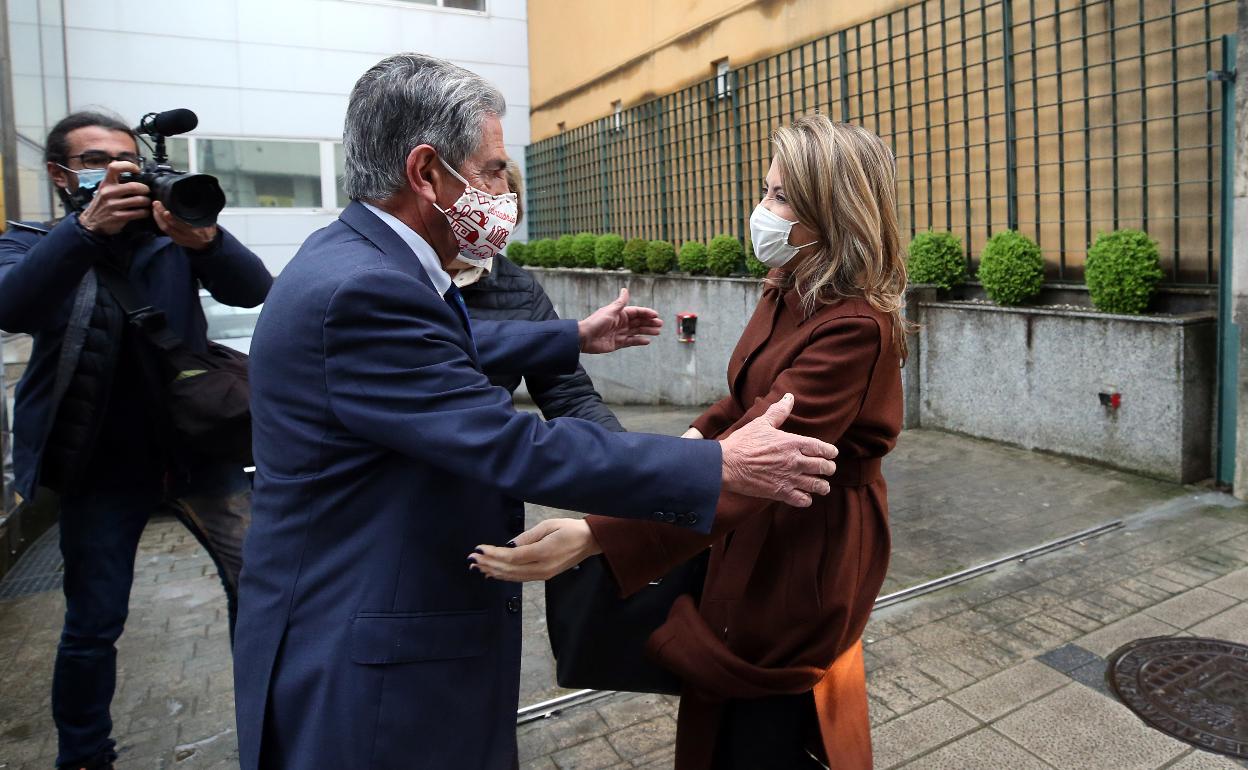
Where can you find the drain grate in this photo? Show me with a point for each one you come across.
(1191, 688)
(40, 568)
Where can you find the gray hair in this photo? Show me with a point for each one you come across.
(405, 101)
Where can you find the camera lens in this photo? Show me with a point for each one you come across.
(194, 198)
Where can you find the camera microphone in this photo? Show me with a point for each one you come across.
(168, 123)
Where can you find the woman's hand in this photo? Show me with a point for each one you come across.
(540, 553)
(692, 433)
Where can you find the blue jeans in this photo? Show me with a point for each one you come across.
(100, 531)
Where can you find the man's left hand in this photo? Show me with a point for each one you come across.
(618, 326)
(186, 236)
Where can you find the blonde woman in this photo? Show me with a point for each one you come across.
(772, 656)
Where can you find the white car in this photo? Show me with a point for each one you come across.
(230, 326)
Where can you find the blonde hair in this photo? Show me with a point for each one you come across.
(840, 181)
(516, 184)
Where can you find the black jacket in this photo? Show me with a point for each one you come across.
(511, 293)
(95, 422)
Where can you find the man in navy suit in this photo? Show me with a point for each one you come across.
(384, 455)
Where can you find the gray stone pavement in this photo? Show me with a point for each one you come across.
(1002, 670)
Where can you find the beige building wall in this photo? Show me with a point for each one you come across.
(584, 55)
(1111, 113)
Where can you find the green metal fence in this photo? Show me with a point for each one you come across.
(1058, 118)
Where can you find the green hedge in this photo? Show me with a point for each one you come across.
(1011, 268)
(517, 252)
(635, 254)
(583, 250)
(563, 251)
(609, 252)
(542, 253)
(723, 255)
(660, 257)
(936, 258)
(1122, 271)
(753, 265)
(692, 258)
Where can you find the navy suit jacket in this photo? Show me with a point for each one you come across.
(383, 457)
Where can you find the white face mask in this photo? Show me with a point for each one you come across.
(482, 223)
(769, 233)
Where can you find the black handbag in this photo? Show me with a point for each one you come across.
(206, 396)
(599, 639)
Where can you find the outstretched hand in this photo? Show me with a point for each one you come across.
(540, 553)
(617, 326)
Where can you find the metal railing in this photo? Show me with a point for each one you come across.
(1059, 118)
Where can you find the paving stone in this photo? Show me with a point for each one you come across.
(1069, 657)
(1231, 625)
(1076, 727)
(591, 755)
(916, 733)
(1113, 636)
(1203, 760)
(1000, 694)
(620, 712)
(1189, 608)
(984, 749)
(1234, 584)
(645, 738)
(1092, 676)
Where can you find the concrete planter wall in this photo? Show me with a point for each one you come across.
(1031, 377)
(1025, 376)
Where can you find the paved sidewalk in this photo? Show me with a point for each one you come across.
(1002, 670)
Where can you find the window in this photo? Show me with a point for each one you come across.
(340, 167)
(617, 115)
(563, 126)
(263, 174)
(723, 79)
(459, 5)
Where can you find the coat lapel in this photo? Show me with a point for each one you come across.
(757, 331)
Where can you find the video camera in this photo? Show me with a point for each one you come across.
(196, 199)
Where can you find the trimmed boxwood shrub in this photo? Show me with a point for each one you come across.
(1122, 271)
(692, 258)
(563, 251)
(753, 265)
(660, 257)
(723, 255)
(583, 250)
(609, 252)
(635, 254)
(517, 252)
(542, 253)
(1011, 268)
(936, 258)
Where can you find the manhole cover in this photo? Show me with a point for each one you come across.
(1191, 688)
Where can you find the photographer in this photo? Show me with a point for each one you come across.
(87, 423)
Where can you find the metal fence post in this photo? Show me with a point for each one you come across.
(1011, 132)
(1228, 331)
(660, 117)
(742, 230)
(844, 57)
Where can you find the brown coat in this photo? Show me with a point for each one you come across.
(788, 590)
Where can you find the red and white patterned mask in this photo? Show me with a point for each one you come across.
(482, 222)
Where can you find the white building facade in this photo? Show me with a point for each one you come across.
(269, 80)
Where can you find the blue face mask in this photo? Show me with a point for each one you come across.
(90, 178)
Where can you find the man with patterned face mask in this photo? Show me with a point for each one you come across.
(498, 289)
(383, 454)
(84, 426)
